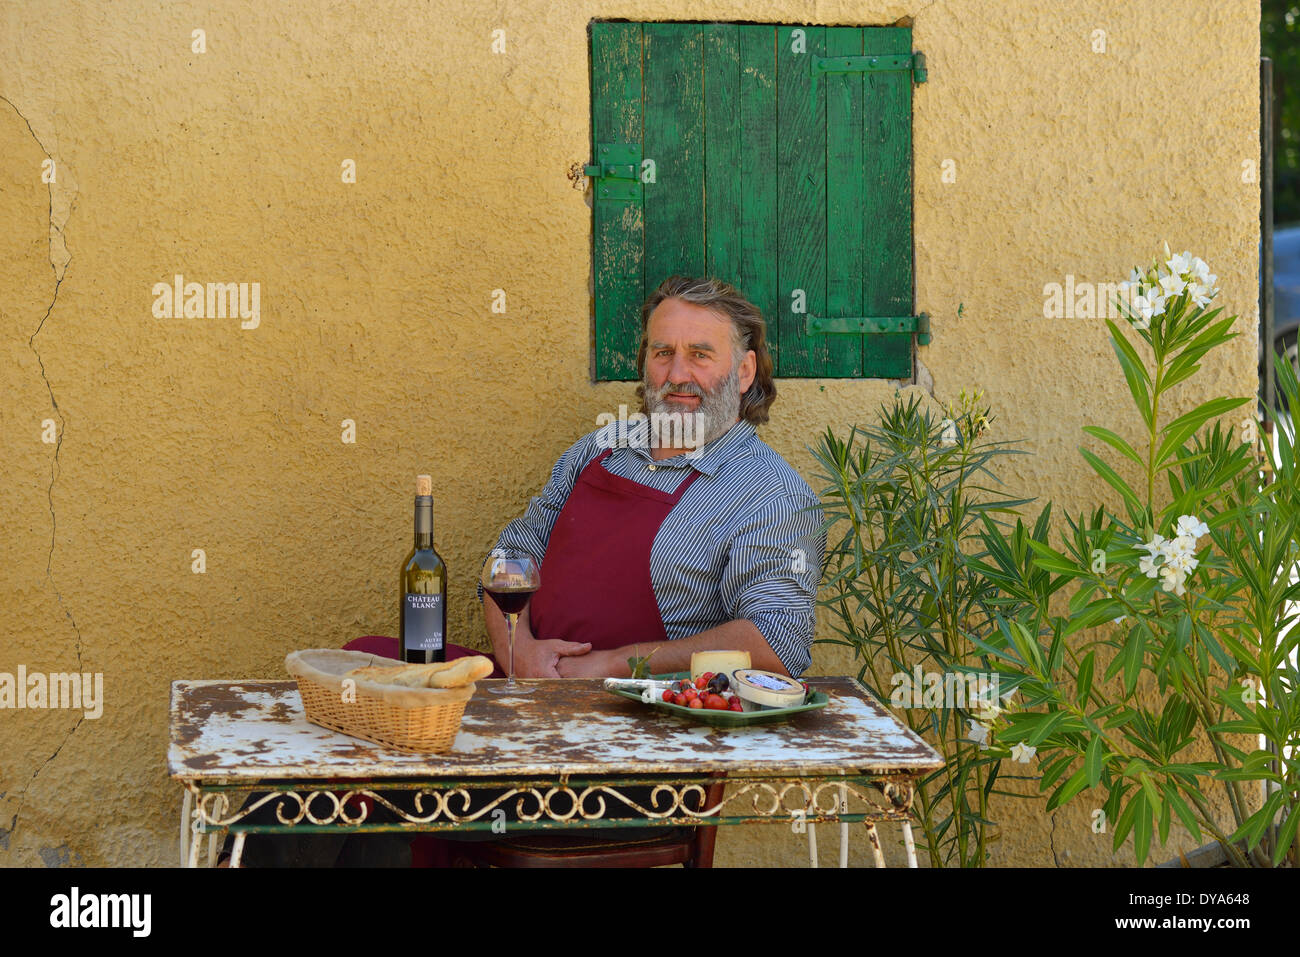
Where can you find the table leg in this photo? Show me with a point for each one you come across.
(844, 827)
(194, 851)
(874, 837)
(187, 805)
(812, 845)
(222, 808)
(237, 851)
(911, 844)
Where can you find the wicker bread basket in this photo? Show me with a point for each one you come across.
(413, 720)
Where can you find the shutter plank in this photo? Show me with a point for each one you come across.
(887, 265)
(801, 201)
(617, 228)
(674, 139)
(846, 203)
(758, 269)
(722, 174)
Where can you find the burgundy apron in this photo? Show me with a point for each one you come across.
(596, 573)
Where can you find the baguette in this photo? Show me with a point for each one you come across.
(438, 674)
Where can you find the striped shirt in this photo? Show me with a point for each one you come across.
(740, 544)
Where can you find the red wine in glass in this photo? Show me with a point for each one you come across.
(511, 602)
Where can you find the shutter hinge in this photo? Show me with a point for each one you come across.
(616, 172)
(872, 326)
(913, 63)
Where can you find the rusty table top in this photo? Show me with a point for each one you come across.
(233, 731)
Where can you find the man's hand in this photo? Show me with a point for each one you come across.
(534, 658)
(596, 664)
(544, 658)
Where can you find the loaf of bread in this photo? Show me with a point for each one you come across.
(439, 674)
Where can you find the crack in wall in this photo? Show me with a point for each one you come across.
(60, 257)
(1051, 841)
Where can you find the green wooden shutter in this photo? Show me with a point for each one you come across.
(796, 189)
(618, 240)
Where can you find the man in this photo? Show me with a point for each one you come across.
(652, 548)
(668, 549)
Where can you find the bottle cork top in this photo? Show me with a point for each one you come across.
(424, 485)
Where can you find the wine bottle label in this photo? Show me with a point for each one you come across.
(423, 622)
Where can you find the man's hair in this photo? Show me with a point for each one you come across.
(748, 331)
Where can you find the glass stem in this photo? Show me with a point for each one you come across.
(510, 637)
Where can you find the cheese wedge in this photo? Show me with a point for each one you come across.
(718, 661)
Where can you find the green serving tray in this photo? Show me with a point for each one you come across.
(723, 719)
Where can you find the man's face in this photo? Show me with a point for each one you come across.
(690, 366)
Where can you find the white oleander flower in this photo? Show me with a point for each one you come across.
(1148, 306)
(1022, 752)
(979, 733)
(1155, 547)
(1190, 526)
(1181, 264)
(1183, 563)
(1184, 546)
(1147, 566)
(1172, 580)
(1172, 285)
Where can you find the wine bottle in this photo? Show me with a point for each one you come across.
(424, 587)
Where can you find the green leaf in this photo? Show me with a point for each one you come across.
(1047, 558)
(1142, 827)
(1044, 730)
(1175, 800)
(1135, 374)
(1125, 822)
(1133, 654)
(1076, 783)
(1093, 761)
(1114, 441)
(1285, 835)
(1182, 428)
(1085, 679)
(1112, 478)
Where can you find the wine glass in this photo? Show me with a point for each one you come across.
(510, 580)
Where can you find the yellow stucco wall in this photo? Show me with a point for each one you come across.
(185, 434)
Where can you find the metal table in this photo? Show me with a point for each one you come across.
(562, 755)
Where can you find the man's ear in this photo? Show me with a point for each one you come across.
(748, 369)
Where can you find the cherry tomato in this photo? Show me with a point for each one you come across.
(668, 695)
(736, 705)
(680, 699)
(716, 702)
(691, 693)
(707, 676)
(696, 703)
(700, 682)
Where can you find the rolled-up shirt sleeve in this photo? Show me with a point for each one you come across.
(772, 573)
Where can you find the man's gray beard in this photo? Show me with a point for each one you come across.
(717, 412)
